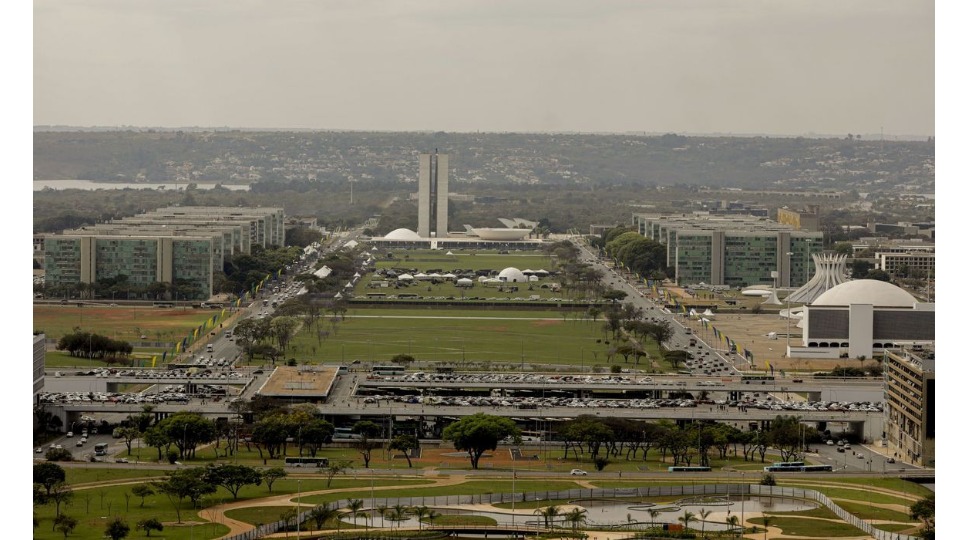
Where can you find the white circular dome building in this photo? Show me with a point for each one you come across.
(862, 318)
(402, 234)
(866, 291)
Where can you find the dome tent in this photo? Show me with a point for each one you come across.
(511, 275)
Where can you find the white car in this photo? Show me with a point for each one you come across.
(39, 450)
(578, 472)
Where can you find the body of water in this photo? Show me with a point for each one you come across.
(608, 512)
(40, 185)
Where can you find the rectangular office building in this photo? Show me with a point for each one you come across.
(737, 251)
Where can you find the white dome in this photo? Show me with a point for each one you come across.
(511, 275)
(866, 291)
(402, 234)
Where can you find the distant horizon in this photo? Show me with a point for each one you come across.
(122, 128)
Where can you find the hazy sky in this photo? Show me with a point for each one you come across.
(700, 66)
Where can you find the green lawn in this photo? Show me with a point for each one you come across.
(456, 336)
(867, 511)
(896, 527)
(863, 495)
(817, 528)
(893, 484)
(86, 475)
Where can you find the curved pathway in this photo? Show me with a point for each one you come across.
(218, 513)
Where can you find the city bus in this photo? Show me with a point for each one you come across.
(784, 466)
(345, 433)
(100, 449)
(761, 378)
(319, 462)
(689, 469)
(796, 466)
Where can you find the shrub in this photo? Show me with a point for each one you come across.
(768, 480)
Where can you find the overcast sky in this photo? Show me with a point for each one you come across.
(696, 66)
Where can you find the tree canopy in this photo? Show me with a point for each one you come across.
(479, 433)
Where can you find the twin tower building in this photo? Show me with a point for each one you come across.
(432, 195)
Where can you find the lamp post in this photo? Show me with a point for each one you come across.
(742, 499)
(298, 509)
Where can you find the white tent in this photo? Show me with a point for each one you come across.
(449, 276)
(323, 272)
(464, 282)
(420, 275)
(348, 286)
(533, 278)
(449, 253)
(405, 277)
(693, 313)
(351, 244)
(707, 313)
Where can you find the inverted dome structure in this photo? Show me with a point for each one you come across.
(402, 234)
(829, 273)
(488, 233)
(866, 291)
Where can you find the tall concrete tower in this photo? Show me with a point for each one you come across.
(432, 196)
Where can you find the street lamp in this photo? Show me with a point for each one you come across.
(298, 509)
(742, 499)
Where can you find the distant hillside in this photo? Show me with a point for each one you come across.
(284, 160)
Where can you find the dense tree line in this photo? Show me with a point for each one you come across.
(94, 346)
(586, 437)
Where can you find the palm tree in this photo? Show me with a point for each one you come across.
(576, 517)
(686, 518)
(365, 516)
(354, 505)
(421, 512)
(703, 519)
(766, 520)
(548, 513)
(399, 513)
(653, 515)
(382, 510)
(732, 522)
(321, 514)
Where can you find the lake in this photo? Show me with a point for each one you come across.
(89, 185)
